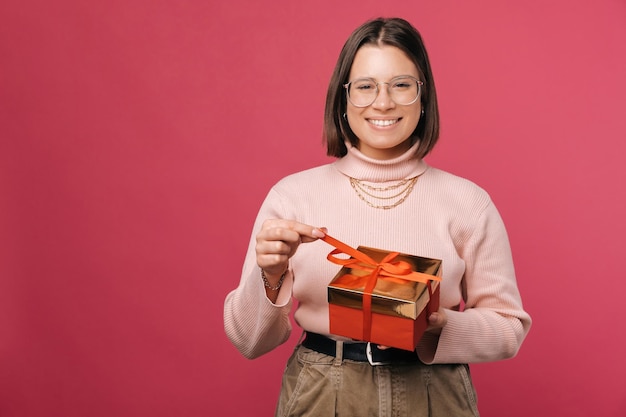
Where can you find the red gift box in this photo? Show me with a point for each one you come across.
(382, 297)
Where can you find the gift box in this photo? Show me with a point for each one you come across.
(382, 297)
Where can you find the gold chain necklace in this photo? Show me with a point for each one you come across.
(399, 191)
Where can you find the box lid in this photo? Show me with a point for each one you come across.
(391, 296)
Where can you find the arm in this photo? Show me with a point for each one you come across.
(493, 324)
(256, 316)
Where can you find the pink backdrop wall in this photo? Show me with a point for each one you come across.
(138, 138)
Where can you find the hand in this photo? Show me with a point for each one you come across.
(436, 321)
(278, 240)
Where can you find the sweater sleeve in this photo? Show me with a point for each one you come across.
(252, 322)
(493, 323)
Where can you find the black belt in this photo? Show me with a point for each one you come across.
(359, 351)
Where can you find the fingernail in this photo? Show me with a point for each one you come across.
(318, 232)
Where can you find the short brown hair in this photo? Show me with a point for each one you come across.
(382, 31)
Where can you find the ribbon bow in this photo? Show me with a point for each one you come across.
(385, 268)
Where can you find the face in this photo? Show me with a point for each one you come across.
(384, 127)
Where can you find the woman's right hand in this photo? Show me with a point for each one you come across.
(278, 240)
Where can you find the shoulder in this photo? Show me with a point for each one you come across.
(467, 208)
(453, 182)
(453, 190)
(306, 178)
(297, 195)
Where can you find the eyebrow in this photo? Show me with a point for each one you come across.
(392, 78)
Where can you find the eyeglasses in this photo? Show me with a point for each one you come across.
(403, 90)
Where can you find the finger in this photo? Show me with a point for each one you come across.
(307, 232)
(281, 227)
(278, 240)
(437, 320)
(272, 263)
(434, 319)
(277, 231)
(271, 246)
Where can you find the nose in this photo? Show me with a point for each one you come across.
(383, 100)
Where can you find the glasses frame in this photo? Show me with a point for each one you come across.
(419, 90)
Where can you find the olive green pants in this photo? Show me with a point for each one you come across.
(319, 385)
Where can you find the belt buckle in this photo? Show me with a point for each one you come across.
(368, 354)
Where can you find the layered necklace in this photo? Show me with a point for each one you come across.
(384, 198)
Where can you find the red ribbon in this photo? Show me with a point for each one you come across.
(385, 268)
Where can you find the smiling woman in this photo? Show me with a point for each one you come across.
(384, 126)
(381, 119)
(381, 55)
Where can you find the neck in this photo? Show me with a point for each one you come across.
(357, 165)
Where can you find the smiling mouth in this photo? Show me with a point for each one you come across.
(383, 123)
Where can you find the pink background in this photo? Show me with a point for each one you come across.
(138, 138)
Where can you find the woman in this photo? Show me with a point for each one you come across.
(381, 120)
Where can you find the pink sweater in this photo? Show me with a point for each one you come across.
(445, 217)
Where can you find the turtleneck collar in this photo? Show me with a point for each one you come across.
(357, 165)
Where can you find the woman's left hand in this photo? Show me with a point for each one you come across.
(436, 321)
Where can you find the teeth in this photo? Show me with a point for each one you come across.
(383, 122)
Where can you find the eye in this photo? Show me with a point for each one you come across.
(402, 84)
(364, 85)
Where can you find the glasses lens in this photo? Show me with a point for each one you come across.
(402, 90)
(362, 92)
